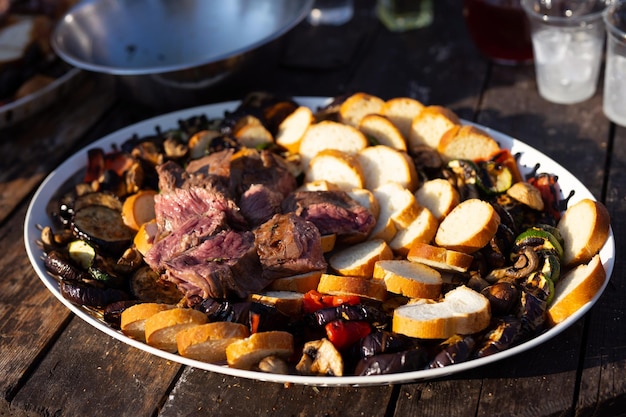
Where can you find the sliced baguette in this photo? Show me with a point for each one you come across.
(318, 185)
(462, 311)
(467, 142)
(248, 352)
(400, 201)
(382, 164)
(468, 227)
(328, 242)
(287, 302)
(337, 167)
(359, 260)
(162, 327)
(366, 198)
(429, 126)
(439, 258)
(382, 131)
(401, 111)
(358, 105)
(409, 279)
(348, 285)
(438, 196)
(330, 135)
(292, 129)
(301, 283)
(575, 289)
(584, 228)
(422, 229)
(133, 319)
(207, 342)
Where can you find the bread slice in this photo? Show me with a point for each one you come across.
(366, 198)
(575, 289)
(468, 227)
(422, 229)
(337, 167)
(328, 242)
(400, 202)
(207, 342)
(467, 142)
(133, 319)
(409, 279)
(385, 227)
(462, 311)
(439, 258)
(248, 352)
(348, 285)
(330, 135)
(438, 196)
(382, 164)
(429, 126)
(292, 129)
(357, 106)
(382, 131)
(401, 111)
(162, 327)
(287, 302)
(585, 228)
(359, 259)
(301, 283)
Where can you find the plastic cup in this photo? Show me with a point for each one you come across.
(614, 104)
(568, 42)
(331, 12)
(403, 15)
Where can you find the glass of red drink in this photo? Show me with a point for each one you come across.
(500, 30)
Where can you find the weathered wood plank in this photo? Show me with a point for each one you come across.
(47, 139)
(602, 384)
(88, 373)
(230, 396)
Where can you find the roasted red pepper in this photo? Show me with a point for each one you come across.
(548, 186)
(342, 334)
(314, 300)
(505, 158)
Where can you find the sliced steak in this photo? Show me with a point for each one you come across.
(174, 208)
(332, 212)
(259, 204)
(225, 265)
(289, 245)
(191, 233)
(261, 167)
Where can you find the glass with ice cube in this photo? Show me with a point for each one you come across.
(568, 41)
(615, 71)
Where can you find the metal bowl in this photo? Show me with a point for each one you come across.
(179, 46)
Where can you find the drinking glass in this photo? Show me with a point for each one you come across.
(614, 105)
(568, 41)
(331, 12)
(403, 15)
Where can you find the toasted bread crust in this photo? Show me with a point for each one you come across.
(300, 283)
(162, 327)
(133, 319)
(359, 260)
(439, 258)
(575, 289)
(467, 142)
(585, 228)
(248, 352)
(207, 342)
(409, 279)
(357, 106)
(347, 285)
(468, 227)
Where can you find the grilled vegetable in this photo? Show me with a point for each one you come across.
(102, 227)
(388, 363)
(456, 349)
(320, 357)
(503, 297)
(343, 334)
(314, 300)
(87, 295)
(504, 335)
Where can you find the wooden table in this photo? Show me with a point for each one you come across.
(52, 363)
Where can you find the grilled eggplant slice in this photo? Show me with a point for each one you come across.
(388, 363)
(102, 227)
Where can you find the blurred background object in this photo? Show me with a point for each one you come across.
(331, 12)
(403, 15)
(500, 30)
(614, 104)
(170, 53)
